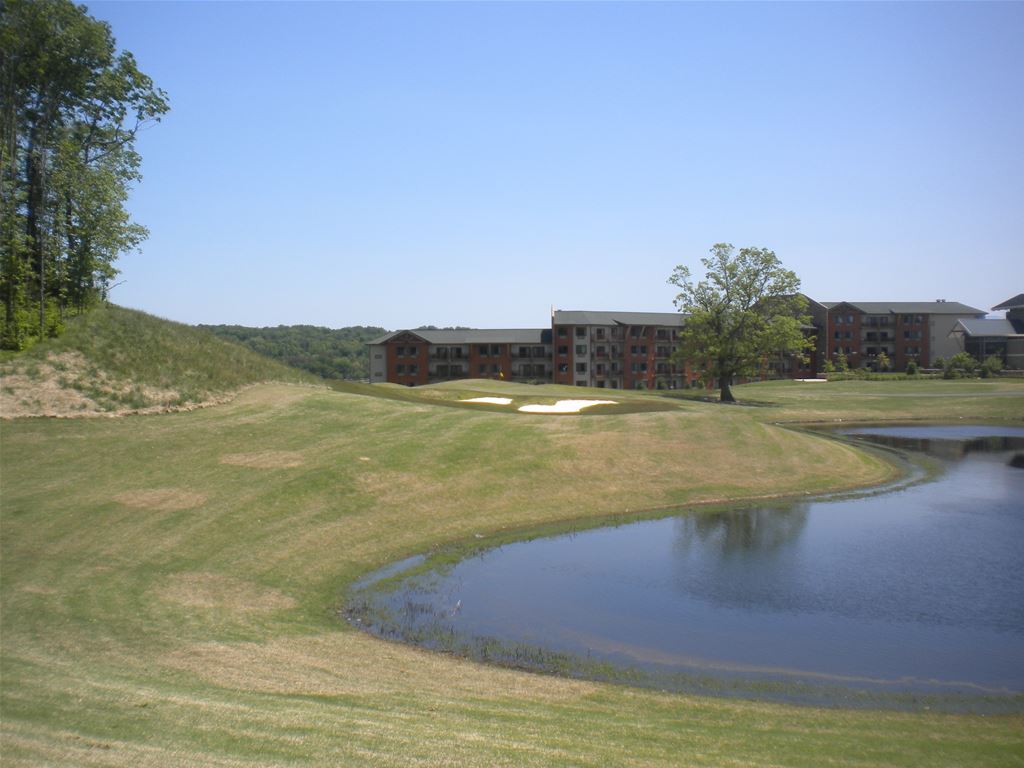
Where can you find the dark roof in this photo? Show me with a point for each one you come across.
(586, 317)
(908, 307)
(473, 336)
(984, 327)
(1014, 303)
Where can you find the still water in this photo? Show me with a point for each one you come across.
(915, 594)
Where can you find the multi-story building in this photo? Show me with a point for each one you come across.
(616, 350)
(427, 356)
(633, 350)
(902, 330)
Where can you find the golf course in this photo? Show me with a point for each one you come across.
(174, 577)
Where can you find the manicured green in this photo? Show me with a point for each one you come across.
(171, 584)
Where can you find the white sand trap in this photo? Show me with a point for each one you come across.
(564, 406)
(811, 381)
(491, 400)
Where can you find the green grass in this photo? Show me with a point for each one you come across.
(120, 359)
(171, 584)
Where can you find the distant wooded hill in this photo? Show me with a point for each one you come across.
(333, 353)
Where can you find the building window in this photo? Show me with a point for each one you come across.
(562, 332)
(581, 332)
(400, 369)
(524, 351)
(581, 367)
(413, 370)
(563, 367)
(495, 368)
(482, 350)
(563, 349)
(581, 349)
(495, 350)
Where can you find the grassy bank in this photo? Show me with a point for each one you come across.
(170, 583)
(116, 360)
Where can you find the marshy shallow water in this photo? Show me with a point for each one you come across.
(911, 597)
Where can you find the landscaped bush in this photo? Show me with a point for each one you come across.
(960, 366)
(991, 366)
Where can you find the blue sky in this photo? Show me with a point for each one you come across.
(474, 164)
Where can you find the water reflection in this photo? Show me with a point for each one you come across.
(743, 531)
(946, 448)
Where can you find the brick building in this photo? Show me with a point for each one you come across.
(428, 356)
(902, 330)
(633, 350)
(616, 350)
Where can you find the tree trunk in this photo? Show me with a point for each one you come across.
(726, 394)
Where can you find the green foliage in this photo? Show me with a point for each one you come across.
(883, 362)
(842, 364)
(959, 366)
(70, 107)
(911, 368)
(329, 353)
(745, 310)
(991, 366)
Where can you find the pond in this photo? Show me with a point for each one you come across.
(910, 598)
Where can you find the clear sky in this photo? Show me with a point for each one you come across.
(400, 164)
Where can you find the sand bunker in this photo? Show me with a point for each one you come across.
(564, 406)
(491, 400)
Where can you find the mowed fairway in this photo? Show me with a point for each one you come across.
(171, 584)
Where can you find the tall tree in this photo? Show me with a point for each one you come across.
(70, 108)
(744, 310)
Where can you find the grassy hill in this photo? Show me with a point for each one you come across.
(115, 360)
(171, 586)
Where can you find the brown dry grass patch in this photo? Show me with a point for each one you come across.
(213, 591)
(264, 459)
(350, 663)
(161, 499)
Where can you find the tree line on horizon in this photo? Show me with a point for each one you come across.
(71, 106)
(332, 353)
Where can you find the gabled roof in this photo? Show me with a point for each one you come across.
(471, 336)
(1015, 303)
(908, 307)
(586, 317)
(972, 326)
